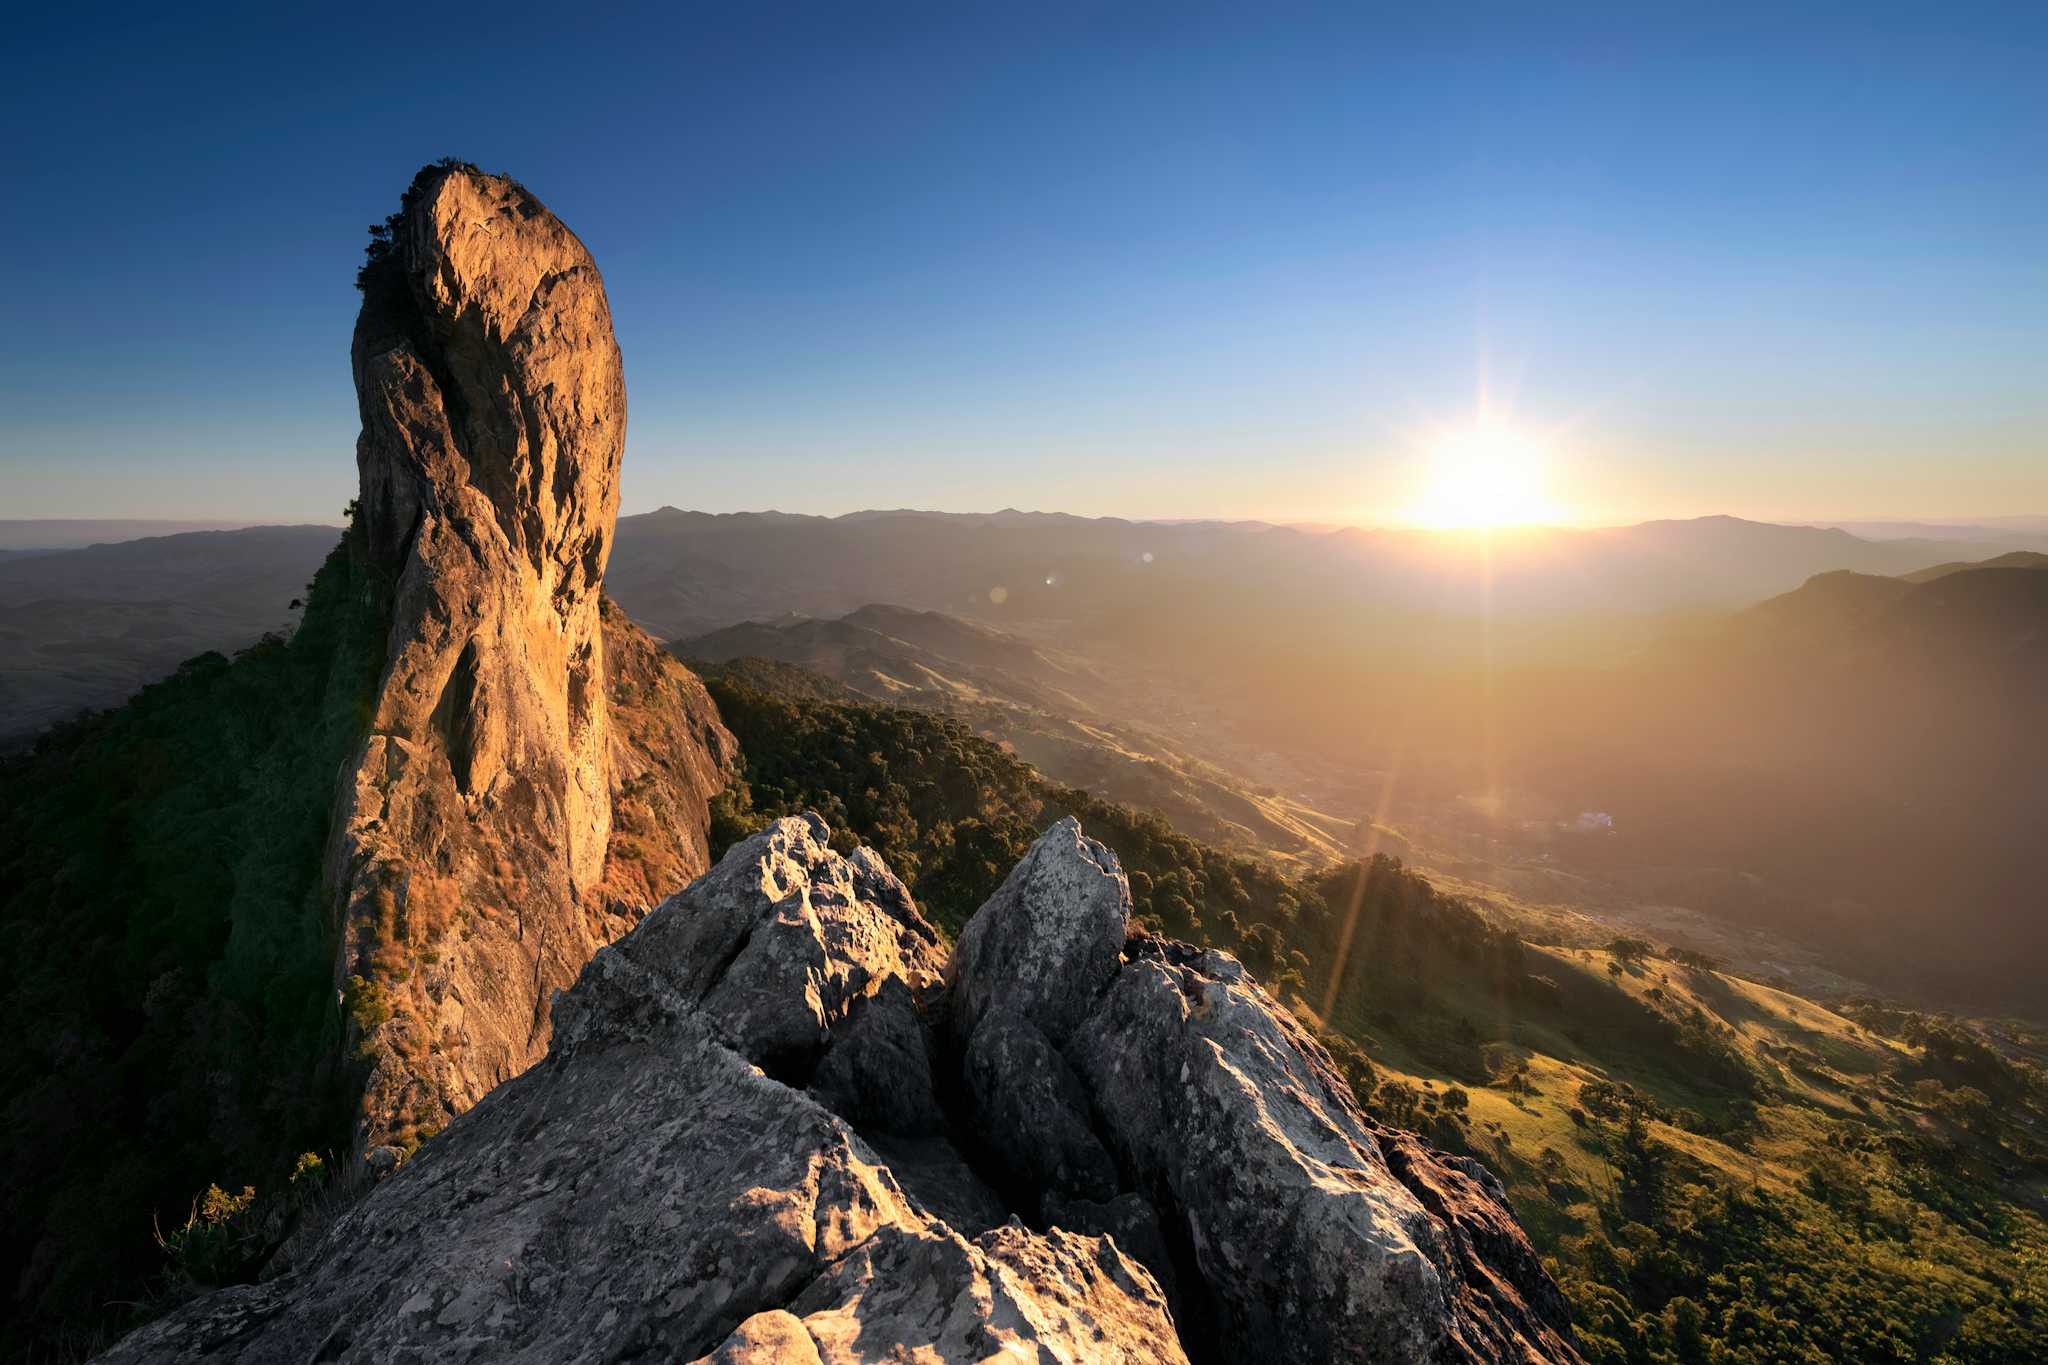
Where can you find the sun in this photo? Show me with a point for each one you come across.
(1485, 475)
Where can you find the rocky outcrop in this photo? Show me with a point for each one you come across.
(473, 866)
(649, 1191)
(1293, 1236)
(775, 1124)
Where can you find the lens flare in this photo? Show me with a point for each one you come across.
(1486, 475)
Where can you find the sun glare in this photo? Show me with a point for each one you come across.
(1485, 476)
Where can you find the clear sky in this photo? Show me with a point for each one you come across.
(1785, 261)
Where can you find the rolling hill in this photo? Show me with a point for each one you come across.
(1872, 752)
(2017, 559)
(1050, 709)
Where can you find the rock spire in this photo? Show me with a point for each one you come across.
(468, 865)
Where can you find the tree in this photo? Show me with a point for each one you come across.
(1685, 1323)
(1631, 950)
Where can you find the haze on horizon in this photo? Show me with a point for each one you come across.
(1144, 263)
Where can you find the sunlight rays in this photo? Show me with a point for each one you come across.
(1351, 911)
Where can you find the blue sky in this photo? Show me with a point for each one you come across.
(1783, 261)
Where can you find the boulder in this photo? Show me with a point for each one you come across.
(1032, 1114)
(1309, 1248)
(1009, 1294)
(1134, 1223)
(780, 940)
(1048, 941)
(876, 1072)
(1289, 1232)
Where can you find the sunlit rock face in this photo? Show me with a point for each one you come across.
(469, 860)
(776, 1122)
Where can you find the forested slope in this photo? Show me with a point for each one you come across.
(169, 994)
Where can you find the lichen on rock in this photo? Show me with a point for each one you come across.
(1288, 1233)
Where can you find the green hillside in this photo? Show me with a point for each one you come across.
(1718, 1170)
(169, 995)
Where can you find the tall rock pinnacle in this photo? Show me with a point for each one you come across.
(494, 418)
(472, 840)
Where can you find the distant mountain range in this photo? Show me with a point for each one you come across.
(685, 573)
(1856, 721)
(32, 535)
(1977, 529)
(88, 627)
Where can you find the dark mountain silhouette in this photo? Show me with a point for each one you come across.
(2016, 559)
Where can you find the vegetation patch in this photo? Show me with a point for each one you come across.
(169, 993)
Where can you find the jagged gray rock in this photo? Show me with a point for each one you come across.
(1307, 1243)
(1009, 1294)
(1303, 1242)
(1032, 1112)
(648, 1191)
(1133, 1222)
(1048, 941)
(779, 941)
(877, 1070)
